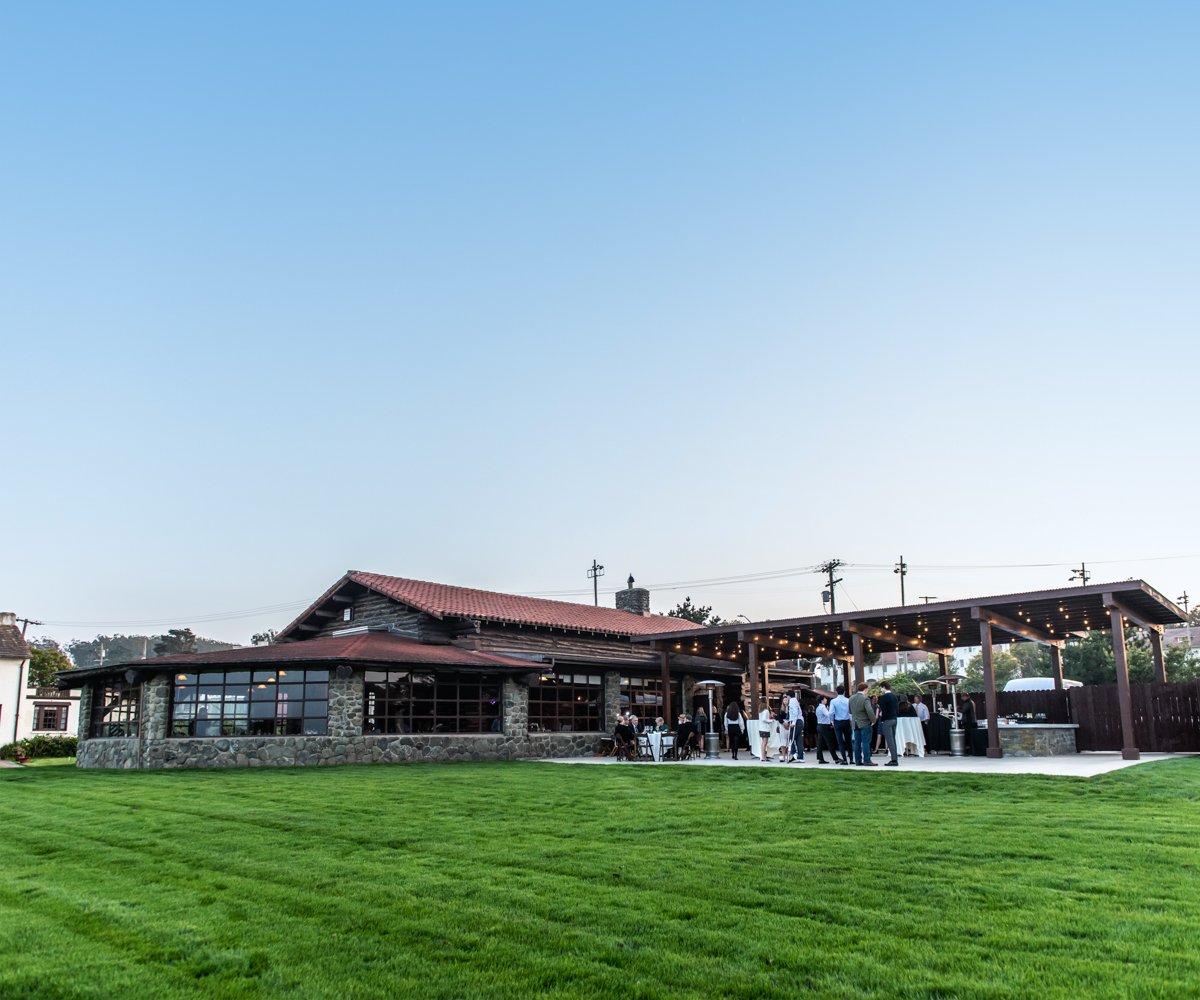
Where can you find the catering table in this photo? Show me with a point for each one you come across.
(754, 731)
(656, 744)
(910, 734)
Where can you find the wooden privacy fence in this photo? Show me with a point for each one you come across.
(1166, 717)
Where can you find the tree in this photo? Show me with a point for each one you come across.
(177, 640)
(1033, 657)
(263, 638)
(1182, 663)
(695, 613)
(46, 657)
(1005, 666)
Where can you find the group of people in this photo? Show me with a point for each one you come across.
(848, 727)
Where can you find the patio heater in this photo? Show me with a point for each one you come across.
(712, 738)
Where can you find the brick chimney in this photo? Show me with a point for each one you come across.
(635, 600)
(8, 618)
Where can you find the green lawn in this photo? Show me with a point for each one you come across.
(519, 880)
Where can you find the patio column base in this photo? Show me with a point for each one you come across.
(1131, 754)
(995, 752)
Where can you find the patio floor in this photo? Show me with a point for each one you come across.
(1078, 765)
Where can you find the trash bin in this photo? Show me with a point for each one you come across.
(712, 746)
(958, 743)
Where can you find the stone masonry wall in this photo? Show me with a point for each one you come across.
(343, 745)
(1036, 741)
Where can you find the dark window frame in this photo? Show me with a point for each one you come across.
(116, 711)
(62, 713)
(449, 703)
(273, 702)
(567, 703)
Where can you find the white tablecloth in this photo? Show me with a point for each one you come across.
(754, 731)
(656, 744)
(908, 730)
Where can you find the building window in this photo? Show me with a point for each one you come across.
(50, 718)
(347, 614)
(411, 702)
(565, 703)
(251, 703)
(114, 711)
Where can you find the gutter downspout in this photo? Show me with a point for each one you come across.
(20, 692)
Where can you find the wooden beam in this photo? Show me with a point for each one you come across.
(989, 692)
(341, 598)
(860, 670)
(1056, 667)
(666, 683)
(895, 638)
(1160, 665)
(753, 667)
(1011, 625)
(1129, 750)
(1111, 603)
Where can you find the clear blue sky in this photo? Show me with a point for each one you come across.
(477, 293)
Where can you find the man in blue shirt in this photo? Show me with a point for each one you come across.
(839, 709)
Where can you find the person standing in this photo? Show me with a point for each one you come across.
(735, 726)
(862, 717)
(970, 721)
(889, 706)
(701, 723)
(839, 709)
(766, 722)
(795, 720)
(825, 734)
(922, 711)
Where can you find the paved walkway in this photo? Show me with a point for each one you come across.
(1078, 765)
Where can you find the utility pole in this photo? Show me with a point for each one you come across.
(25, 623)
(927, 597)
(1183, 599)
(594, 575)
(829, 568)
(902, 569)
(1081, 574)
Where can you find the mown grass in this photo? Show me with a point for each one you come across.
(520, 880)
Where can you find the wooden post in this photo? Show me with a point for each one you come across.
(845, 676)
(753, 665)
(668, 718)
(1160, 665)
(989, 692)
(1056, 667)
(1129, 749)
(860, 669)
(766, 688)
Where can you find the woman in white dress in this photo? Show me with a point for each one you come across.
(766, 724)
(781, 736)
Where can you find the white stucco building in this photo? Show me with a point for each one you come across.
(26, 711)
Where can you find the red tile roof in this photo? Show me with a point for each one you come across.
(363, 647)
(443, 601)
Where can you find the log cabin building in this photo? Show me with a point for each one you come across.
(381, 668)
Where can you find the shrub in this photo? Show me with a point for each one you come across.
(41, 746)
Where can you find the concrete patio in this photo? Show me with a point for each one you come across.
(1078, 765)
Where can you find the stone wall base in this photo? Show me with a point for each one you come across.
(1032, 741)
(293, 751)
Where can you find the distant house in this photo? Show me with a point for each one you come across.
(26, 711)
(382, 668)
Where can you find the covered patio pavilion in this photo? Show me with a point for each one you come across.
(1045, 616)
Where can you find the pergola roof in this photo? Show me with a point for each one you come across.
(1038, 616)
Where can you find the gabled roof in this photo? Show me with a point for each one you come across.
(12, 644)
(443, 601)
(365, 648)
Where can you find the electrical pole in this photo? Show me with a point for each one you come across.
(25, 623)
(902, 569)
(1183, 599)
(1081, 574)
(829, 567)
(927, 597)
(594, 575)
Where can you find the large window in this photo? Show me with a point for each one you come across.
(50, 718)
(410, 702)
(644, 697)
(114, 711)
(251, 703)
(562, 703)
